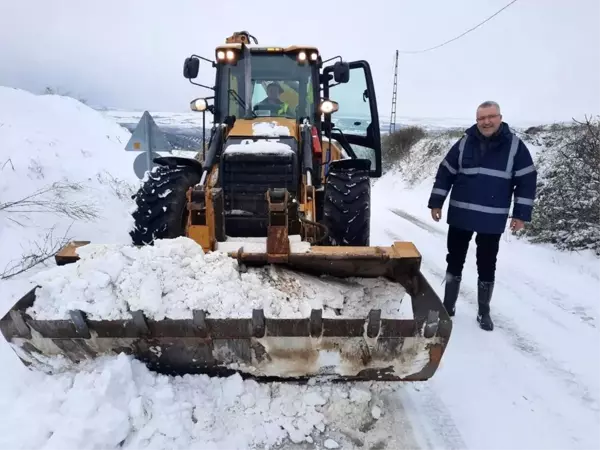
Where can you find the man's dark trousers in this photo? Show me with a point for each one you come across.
(487, 251)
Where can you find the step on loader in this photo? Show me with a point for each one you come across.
(275, 168)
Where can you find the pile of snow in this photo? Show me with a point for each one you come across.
(272, 129)
(64, 174)
(174, 277)
(259, 147)
(117, 403)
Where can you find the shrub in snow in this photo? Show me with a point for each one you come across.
(567, 209)
(396, 146)
(421, 159)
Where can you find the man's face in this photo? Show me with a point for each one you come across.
(488, 120)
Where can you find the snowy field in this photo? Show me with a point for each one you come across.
(530, 384)
(182, 120)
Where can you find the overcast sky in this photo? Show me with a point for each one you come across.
(540, 59)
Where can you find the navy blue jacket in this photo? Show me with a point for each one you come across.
(484, 174)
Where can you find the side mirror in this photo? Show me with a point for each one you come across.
(190, 67)
(341, 72)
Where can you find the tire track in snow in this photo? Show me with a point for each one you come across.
(520, 340)
(432, 422)
(432, 417)
(416, 221)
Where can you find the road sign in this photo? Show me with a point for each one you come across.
(142, 163)
(147, 138)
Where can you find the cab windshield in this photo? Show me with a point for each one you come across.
(279, 86)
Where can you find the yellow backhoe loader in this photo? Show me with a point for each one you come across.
(276, 167)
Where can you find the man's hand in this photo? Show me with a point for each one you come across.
(516, 225)
(436, 214)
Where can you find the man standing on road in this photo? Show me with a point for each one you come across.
(485, 168)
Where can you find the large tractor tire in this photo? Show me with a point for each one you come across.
(161, 204)
(347, 204)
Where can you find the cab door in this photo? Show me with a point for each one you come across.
(356, 123)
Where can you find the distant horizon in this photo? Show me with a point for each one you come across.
(384, 122)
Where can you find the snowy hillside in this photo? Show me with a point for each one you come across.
(64, 175)
(531, 383)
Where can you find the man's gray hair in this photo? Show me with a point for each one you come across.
(489, 103)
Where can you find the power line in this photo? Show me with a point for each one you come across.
(458, 37)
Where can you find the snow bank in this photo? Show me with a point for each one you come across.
(174, 277)
(117, 403)
(65, 173)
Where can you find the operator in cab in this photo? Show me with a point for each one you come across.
(273, 103)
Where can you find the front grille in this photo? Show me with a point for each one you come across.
(245, 179)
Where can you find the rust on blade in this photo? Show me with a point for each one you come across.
(278, 244)
(201, 218)
(367, 348)
(68, 253)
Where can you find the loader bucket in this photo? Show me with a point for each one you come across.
(259, 347)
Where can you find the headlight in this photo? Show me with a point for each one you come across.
(220, 55)
(302, 56)
(230, 55)
(199, 104)
(329, 106)
(314, 56)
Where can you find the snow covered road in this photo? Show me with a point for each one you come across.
(532, 382)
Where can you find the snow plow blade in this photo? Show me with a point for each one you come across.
(259, 347)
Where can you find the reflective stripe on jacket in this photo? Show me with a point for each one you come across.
(484, 174)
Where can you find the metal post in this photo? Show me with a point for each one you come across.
(203, 136)
(149, 150)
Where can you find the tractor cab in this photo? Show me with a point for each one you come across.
(266, 82)
(290, 86)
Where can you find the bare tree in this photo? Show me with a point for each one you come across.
(52, 199)
(38, 252)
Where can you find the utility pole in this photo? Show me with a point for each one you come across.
(394, 97)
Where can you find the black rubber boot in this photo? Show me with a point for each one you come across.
(451, 293)
(484, 296)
